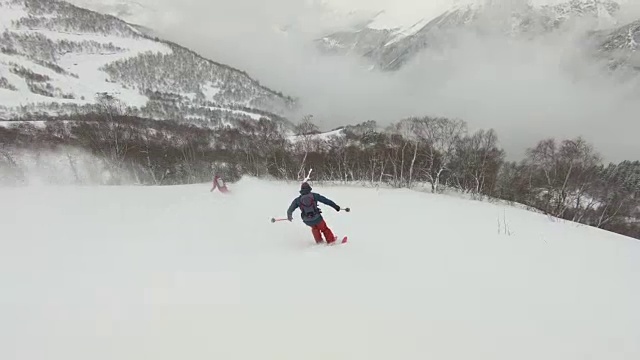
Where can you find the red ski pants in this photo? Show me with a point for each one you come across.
(320, 229)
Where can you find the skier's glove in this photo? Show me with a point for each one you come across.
(289, 218)
(337, 208)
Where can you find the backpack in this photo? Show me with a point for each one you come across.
(308, 206)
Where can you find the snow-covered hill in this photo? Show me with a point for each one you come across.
(57, 58)
(620, 45)
(179, 272)
(131, 11)
(390, 45)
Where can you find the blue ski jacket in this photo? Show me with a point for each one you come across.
(318, 198)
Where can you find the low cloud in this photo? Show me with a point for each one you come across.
(525, 90)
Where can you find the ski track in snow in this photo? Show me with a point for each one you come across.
(321, 136)
(178, 272)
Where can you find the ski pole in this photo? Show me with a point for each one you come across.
(308, 176)
(346, 209)
(274, 219)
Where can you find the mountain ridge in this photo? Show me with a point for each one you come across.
(391, 49)
(86, 54)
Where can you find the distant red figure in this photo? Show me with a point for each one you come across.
(220, 184)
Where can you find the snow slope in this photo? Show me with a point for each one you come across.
(180, 273)
(324, 136)
(131, 11)
(57, 58)
(89, 80)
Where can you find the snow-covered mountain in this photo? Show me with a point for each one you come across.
(58, 58)
(131, 11)
(391, 48)
(620, 46)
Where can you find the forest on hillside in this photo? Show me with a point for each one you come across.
(562, 178)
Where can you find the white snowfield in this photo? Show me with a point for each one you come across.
(87, 66)
(56, 67)
(181, 273)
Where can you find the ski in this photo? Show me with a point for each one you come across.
(343, 241)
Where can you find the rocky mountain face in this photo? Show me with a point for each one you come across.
(620, 46)
(57, 58)
(391, 49)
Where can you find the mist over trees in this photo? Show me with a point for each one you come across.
(562, 178)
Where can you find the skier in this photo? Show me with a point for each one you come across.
(307, 202)
(220, 184)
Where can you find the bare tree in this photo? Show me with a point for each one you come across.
(113, 131)
(559, 172)
(441, 136)
(477, 162)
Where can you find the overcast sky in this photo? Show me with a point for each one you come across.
(525, 91)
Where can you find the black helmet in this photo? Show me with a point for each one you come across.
(305, 186)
